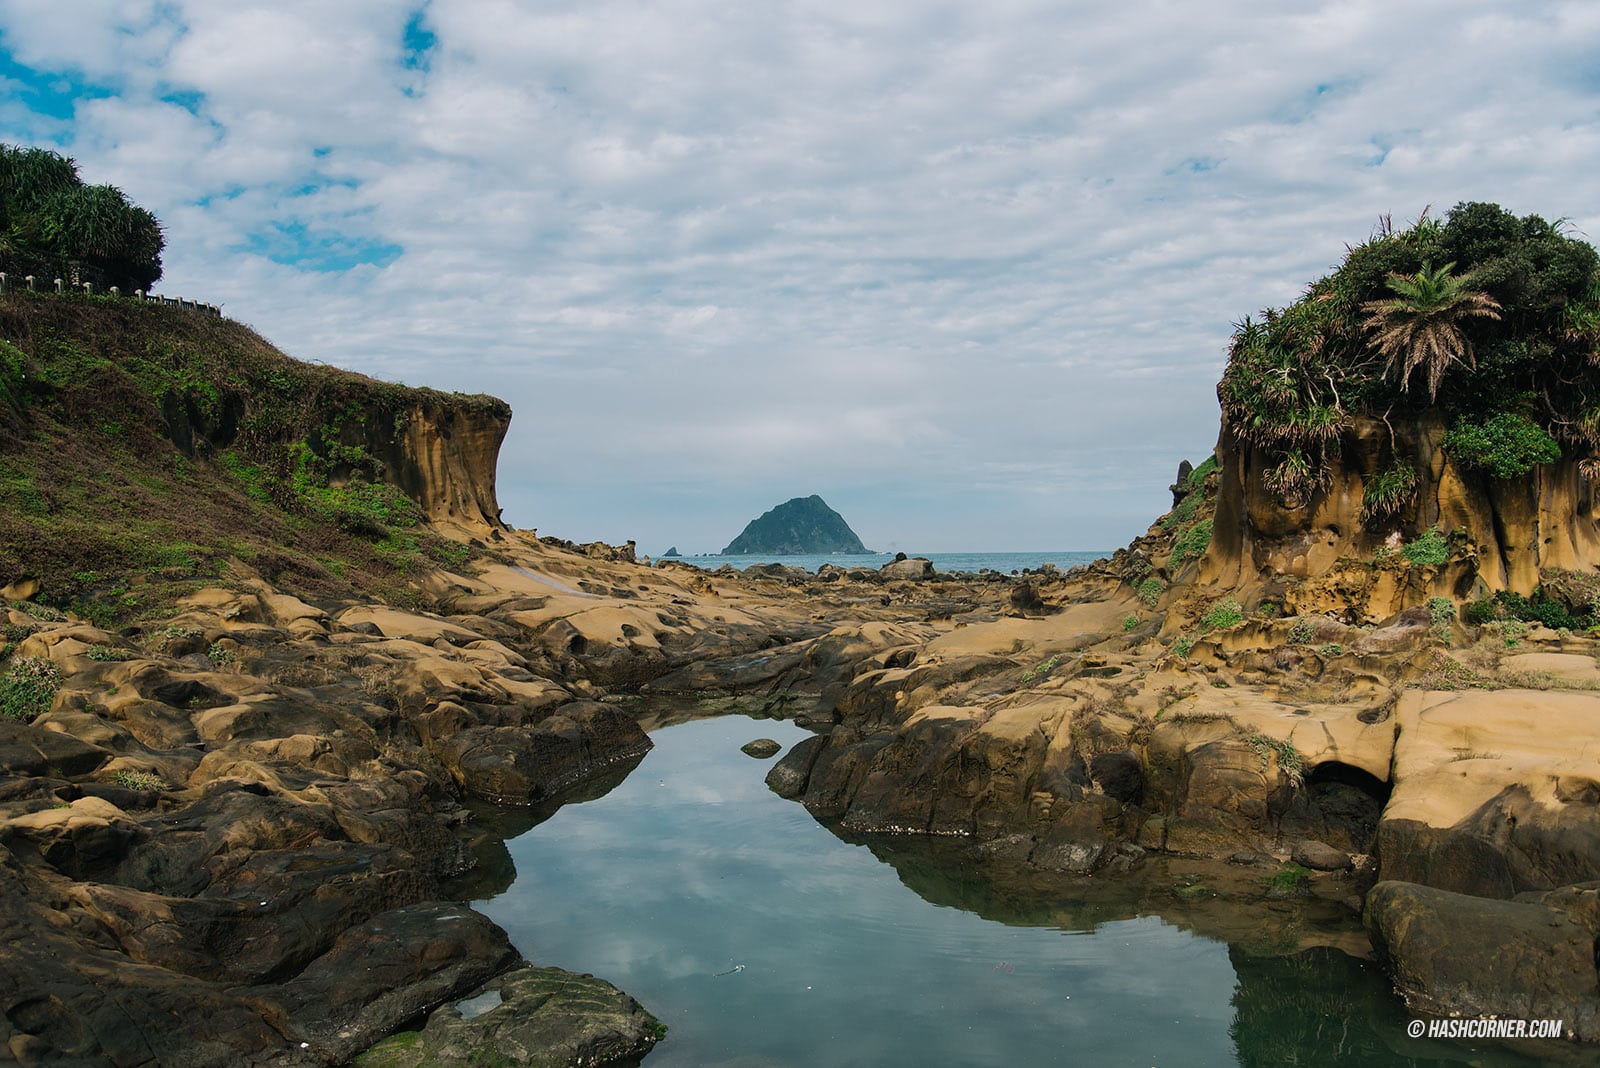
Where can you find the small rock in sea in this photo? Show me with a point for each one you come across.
(761, 748)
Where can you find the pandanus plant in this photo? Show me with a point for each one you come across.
(1423, 324)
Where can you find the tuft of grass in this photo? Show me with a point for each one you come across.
(143, 781)
(1039, 671)
(28, 687)
(1193, 543)
(1289, 762)
(1331, 650)
(1129, 622)
(107, 653)
(1302, 632)
(1224, 615)
(1183, 646)
(1150, 591)
(1388, 492)
(1449, 673)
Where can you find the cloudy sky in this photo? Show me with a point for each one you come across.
(967, 271)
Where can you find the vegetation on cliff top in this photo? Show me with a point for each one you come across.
(144, 447)
(1493, 319)
(52, 224)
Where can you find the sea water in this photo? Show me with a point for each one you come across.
(762, 938)
(973, 562)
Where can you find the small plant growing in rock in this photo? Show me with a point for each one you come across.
(1193, 544)
(28, 688)
(1451, 674)
(1150, 590)
(1331, 650)
(1512, 631)
(221, 655)
(1429, 549)
(1441, 613)
(1288, 756)
(1224, 615)
(1129, 623)
(1183, 646)
(143, 781)
(1039, 671)
(41, 612)
(107, 653)
(1302, 632)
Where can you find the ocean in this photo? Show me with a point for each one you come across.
(973, 562)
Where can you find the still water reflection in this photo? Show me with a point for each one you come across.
(689, 868)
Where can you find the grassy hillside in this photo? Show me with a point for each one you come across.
(145, 449)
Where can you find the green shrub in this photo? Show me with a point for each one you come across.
(1543, 607)
(143, 781)
(1192, 544)
(28, 688)
(1183, 646)
(1429, 549)
(1331, 650)
(1223, 615)
(1506, 446)
(1441, 613)
(1150, 590)
(108, 653)
(1129, 623)
(1302, 632)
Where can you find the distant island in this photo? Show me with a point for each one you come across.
(798, 527)
(671, 552)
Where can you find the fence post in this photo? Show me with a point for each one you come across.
(60, 286)
(3, 281)
(29, 280)
(88, 289)
(115, 291)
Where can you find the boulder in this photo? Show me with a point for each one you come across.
(1452, 954)
(761, 748)
(912, 568)
(540, 1017)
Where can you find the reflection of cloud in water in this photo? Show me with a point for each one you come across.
(657, 888)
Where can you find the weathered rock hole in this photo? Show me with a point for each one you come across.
(578, 645)
(1349, 799)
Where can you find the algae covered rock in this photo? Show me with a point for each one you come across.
(540, 1017)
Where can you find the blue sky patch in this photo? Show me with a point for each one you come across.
(296, 245)
(417, 41)
(55, 94)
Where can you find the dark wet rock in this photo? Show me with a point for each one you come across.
(1453, 954)
(539, 1017)
(393, 968)
(761, 748)
(1319, 856)
(26, 750)
(1512, 843)
(520, 765)
(1119, 775)
(789, 776)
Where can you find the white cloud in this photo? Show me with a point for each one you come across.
(745, 252)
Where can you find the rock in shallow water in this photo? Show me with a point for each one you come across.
(761, 748)
(543, 1017)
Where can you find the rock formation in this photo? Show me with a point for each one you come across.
(798, 527)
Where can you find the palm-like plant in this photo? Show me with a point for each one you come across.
(1422, 325)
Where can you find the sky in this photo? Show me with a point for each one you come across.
(966, 271)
